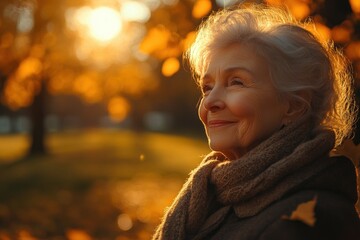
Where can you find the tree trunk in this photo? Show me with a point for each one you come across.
(37, 112)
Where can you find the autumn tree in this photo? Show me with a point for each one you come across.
(50, 47)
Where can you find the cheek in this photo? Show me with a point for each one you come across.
(243, 106)
(202, 112)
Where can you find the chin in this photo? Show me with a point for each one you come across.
(219, 147)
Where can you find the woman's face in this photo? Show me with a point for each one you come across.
(240, 106)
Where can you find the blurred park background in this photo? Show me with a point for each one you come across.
(98, 122)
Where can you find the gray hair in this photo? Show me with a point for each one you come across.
(298, 60)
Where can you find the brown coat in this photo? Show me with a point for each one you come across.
(336, 217)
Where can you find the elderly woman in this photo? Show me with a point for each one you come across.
(275, 102)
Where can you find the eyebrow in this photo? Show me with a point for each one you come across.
(234, 69)
(231, 70)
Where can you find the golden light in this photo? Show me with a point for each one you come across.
(321, 31)
(170, 67)
(118, 108)
(352, 51)
(87, 86)
(341, 34)
(299, 9)
(355, 5)
(104, 23)
(18, 94)
(189, 39)
(135, 11)
(324, 33)
(201, 8)
(156, 39)
(29, 67)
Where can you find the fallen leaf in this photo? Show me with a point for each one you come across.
(305, 212)
(350, 150)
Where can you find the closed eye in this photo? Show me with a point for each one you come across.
(236, 81)
(205, 89)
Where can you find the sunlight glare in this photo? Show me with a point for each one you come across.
(104, 23)
(135, 11)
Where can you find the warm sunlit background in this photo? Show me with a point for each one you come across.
(98, 124)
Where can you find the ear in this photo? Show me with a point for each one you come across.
(297, 106)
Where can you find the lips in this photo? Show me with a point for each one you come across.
(219, 123)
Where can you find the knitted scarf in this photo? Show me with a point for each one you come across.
(248, 184)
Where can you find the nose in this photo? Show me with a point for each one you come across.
(214, 101)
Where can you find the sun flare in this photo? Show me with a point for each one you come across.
(104, 23)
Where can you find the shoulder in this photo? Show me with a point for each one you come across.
(335, 215)
(335, 218)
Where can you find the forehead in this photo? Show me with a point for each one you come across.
(235, 55)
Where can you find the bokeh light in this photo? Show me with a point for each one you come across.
(118, 108)
(170, 67)
(201, 8)
(355, 5)
(102, 23)
(135, 11)
(124, 222)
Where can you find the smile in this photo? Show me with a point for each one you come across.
(219, 123)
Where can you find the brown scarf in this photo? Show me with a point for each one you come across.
(248, 184)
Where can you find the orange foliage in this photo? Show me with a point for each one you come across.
(24, 84)
(155, 40)
(118, 108)
(49, 39)
(29, 67)
(341, 34)
(132, 79)
(37, 51)
(299, 9)
(201, 8)
(353, 50)
(61, 81)
(161, 43)
(7, 40)
(21, 45)
(189, 39)
(18, 94)
(87, 86)
(170, 67)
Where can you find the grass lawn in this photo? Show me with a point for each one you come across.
(92, 185)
